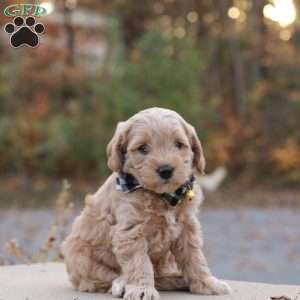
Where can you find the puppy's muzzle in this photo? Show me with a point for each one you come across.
(165, 171)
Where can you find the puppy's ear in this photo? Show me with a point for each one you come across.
(116, 148)
(199, 159)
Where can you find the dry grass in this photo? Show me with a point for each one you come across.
(50, 250)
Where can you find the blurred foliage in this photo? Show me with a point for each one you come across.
(165, 75)
(235, 80)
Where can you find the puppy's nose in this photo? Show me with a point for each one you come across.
(165, 171)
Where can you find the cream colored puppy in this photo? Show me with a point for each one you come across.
(140, 231)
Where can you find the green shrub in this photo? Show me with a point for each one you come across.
(160, 71)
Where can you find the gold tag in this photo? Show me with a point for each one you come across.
(190, 195)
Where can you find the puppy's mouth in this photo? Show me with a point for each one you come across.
(167, 186)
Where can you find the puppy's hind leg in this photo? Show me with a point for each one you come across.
(171, 283)
(85, 273)
(99, 280)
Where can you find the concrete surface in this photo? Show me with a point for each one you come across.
(49, 282)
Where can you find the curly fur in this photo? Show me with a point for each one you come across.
(133, 243)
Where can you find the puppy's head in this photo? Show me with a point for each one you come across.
(157, 147)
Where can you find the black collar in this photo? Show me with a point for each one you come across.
(127, 183)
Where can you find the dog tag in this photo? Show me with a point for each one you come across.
(190, 195)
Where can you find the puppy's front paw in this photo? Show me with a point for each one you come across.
(140, 293)
(210, 286)
(118, 287)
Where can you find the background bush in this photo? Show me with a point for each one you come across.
(235, 81)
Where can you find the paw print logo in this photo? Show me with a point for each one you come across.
(24, 32)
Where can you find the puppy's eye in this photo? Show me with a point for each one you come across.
(179, 145)
(143, 149)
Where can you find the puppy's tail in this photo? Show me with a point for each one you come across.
(212, 182)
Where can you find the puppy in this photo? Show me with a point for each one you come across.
(140, 232)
